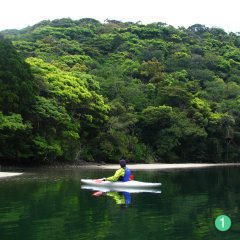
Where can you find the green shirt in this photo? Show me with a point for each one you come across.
(119, 173)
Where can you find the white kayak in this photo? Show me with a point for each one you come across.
(126, 185)
(119, 189)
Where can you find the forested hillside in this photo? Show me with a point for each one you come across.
(82, 90)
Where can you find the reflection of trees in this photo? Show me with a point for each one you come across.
(190, 202)
(48, 210)
(188, 205)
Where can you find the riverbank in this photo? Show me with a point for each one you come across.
(162, 166)
(135, 167)
(8, 174)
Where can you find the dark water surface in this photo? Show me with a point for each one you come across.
(50, 205)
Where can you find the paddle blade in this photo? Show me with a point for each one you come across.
(98, 181)
(97, 194)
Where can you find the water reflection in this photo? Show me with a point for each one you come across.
(54, 205)
(121, 196)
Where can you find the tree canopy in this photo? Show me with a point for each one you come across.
(85, 90)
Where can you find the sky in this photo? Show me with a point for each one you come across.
(17, 14)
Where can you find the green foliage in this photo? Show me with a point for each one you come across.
(13, 122)
(104, 91)
(14, 137)
(15, 81)
(66, 111)
(164, 128)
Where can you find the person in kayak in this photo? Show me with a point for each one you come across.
(123, 174)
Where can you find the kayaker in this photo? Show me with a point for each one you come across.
(123, 174)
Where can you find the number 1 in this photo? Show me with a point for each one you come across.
(222, 220)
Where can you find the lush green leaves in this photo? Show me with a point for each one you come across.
(104, 91)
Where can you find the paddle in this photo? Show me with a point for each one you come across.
(98, 181)
(97, 194)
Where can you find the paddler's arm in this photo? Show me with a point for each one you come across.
(119, 173)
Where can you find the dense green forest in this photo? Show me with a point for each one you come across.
(73, 90)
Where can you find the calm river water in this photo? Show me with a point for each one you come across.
(49, 204)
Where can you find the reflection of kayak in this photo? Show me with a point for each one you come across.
(120, 186)
(119, 189)
(128, 184)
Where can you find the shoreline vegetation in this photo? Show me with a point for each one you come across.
(99, 92)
